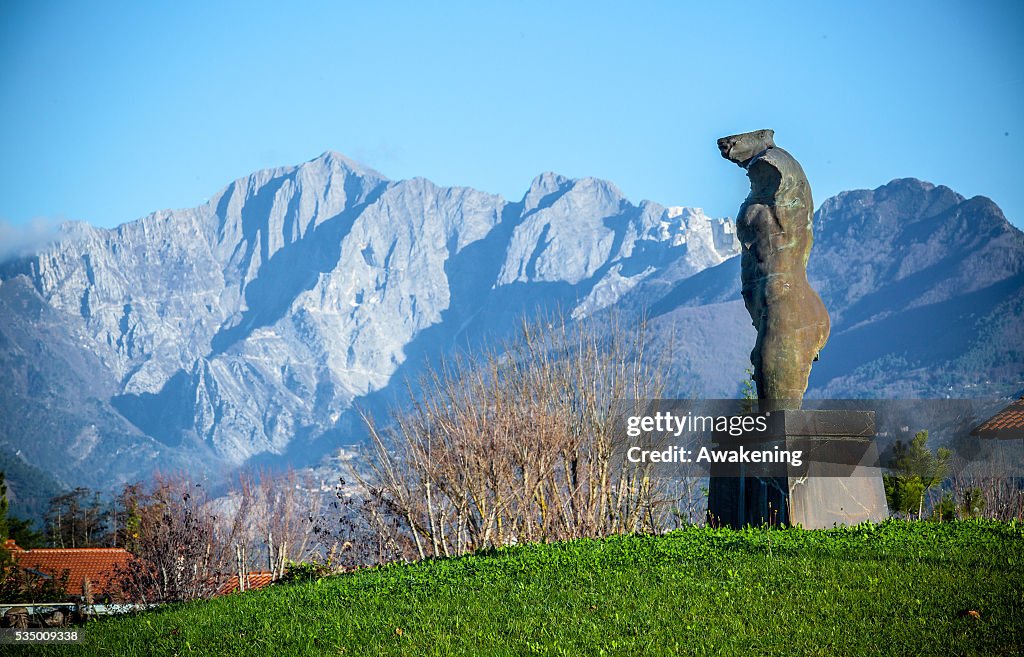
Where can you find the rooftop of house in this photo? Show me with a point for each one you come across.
(253, 580)
(1007, 424)
(97, 565)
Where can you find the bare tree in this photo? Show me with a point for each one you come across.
(989, 488)
(520, 444)
(78, 518)
(276, 516)
(364, 528)
(180, 552)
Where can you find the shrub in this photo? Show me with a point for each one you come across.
(305, 571)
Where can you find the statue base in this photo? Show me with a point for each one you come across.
(837, 482)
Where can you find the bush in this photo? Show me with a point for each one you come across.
(306, 571)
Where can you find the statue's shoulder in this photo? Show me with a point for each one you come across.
(780, 159)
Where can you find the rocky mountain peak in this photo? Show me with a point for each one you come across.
(337, 161)
(249, 326)
(542, 187)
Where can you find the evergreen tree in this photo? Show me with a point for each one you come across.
(915, 471)
(4, 505)
(17, 584)
(5, 557)
(16, 528)
(7, 567)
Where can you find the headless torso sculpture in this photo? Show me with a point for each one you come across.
(774, 226)
(842, 484)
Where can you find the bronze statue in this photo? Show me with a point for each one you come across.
(774, 226)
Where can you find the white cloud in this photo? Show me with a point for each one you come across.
(23, 239)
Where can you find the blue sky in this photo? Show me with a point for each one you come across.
(109, 111)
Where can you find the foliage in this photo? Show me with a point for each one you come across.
(4, 505)
(365, 530)
(895, 588)
(18, 584)
(904, 493)
(305, 571)
(6, 562)
(994, 491)
(127, 516)
(24, 533)
(914, 471)
(22, 585)
(748, 391)
(186, 545)
(945, 510)
(972, 503)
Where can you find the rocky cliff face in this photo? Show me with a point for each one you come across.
(203, 338)
(248, 327)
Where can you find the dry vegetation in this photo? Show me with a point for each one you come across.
(516, 445)
(186, 545)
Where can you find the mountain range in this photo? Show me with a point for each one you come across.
(249, 329)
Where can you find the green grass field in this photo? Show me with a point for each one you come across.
(892, 589)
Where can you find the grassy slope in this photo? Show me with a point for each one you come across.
(893, 589)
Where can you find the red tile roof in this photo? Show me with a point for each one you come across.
(254, 580)
(1007, 424)
(96, 564)
(99, 564)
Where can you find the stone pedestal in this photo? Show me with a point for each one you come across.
(839, 481)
